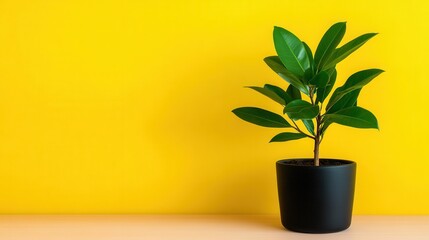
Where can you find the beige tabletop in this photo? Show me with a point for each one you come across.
(201, 227)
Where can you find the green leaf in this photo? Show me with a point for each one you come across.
(353, 117)
(295, 82)
(287, 136)
(309, 125)
(329, 42)
(355, 81)
(291, 51)
(280, 92)
(261, 117)
(277, 66)
(320, 80)
(322, 93)
(332, 79)
(348, 100)
(309, 73)
(309, 55)
(293, 92)
(300, 109)
(347, 49)
(361, 78)
(267, 92)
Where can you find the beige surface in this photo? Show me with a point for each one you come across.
(201, 227)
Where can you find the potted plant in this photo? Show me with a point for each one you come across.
(315, 194)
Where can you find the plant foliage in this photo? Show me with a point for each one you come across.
(314, 76)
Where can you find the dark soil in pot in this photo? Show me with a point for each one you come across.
(310, 162)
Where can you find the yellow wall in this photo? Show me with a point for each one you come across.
(125, 106)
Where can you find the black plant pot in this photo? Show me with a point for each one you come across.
(316, 199)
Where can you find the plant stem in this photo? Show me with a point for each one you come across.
(316, 138)
(317, 141)
(311, 96)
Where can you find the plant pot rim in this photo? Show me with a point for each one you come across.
(345, 163)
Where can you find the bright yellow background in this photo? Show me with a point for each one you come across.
(125, 106)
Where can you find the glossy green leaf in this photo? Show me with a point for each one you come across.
(328, 43)
(355, 81)
(309, 54)
(291, 51)
(361, 78)
(332, 72)
(300, 109)
(287, 136)
(268, 93)
(347, 49)
(309, 73)
(348, 100)
(309, 125)
(353, 117)
(280, 92)
(293, 92)
(322, 93)
(294, 82)
(277, 66)
(261, 117)
(320, 80)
